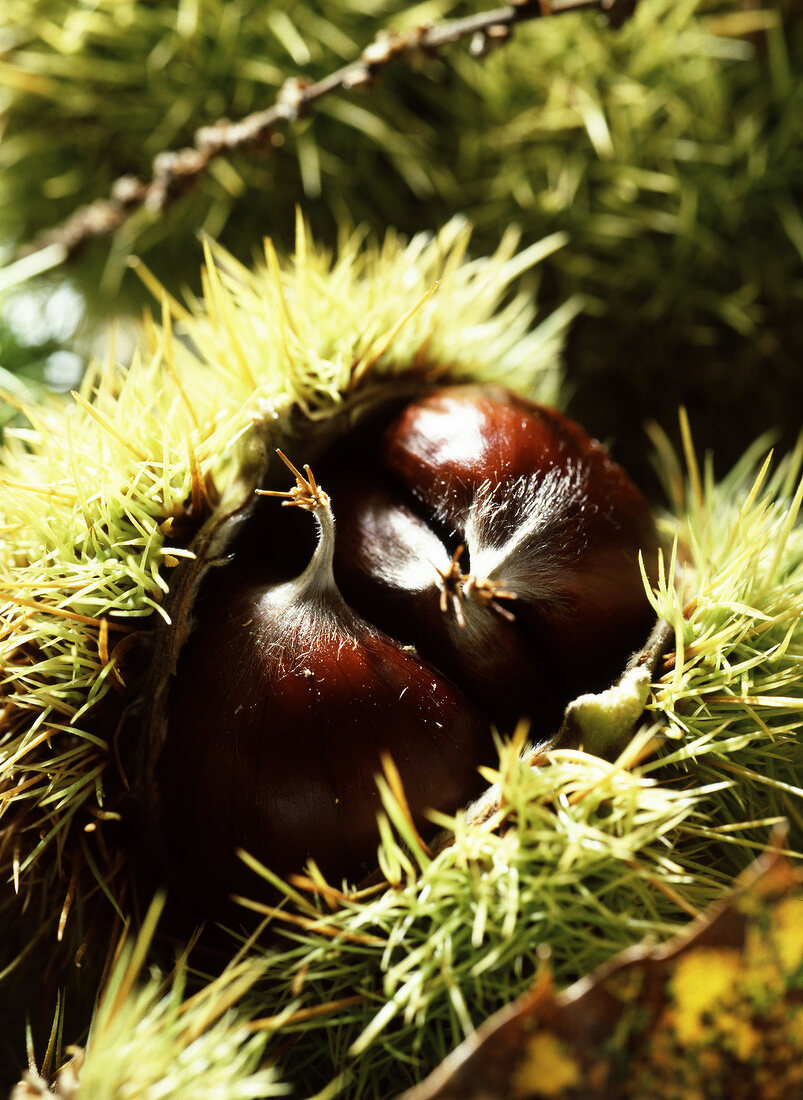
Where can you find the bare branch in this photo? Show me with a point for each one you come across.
(176, 173)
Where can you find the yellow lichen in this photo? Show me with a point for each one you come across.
(701, 980)
(788, 933)
(739, 1035)
(548, 1068)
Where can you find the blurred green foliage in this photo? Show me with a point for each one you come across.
(671, 151)
(22, 369)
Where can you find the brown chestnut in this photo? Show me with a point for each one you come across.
(544, 514)
(284, 702)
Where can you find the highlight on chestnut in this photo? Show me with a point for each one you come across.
(476, 563)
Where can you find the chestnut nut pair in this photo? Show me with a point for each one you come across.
(484, 568)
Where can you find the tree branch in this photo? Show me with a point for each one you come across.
(176, 173)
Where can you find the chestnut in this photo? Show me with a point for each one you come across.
(544, 514)
(284, 702)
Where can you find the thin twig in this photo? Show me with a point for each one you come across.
(176, 173)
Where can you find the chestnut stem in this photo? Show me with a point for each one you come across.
(307, 494)
(451, 580)
(488, 593)
(457, 586)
